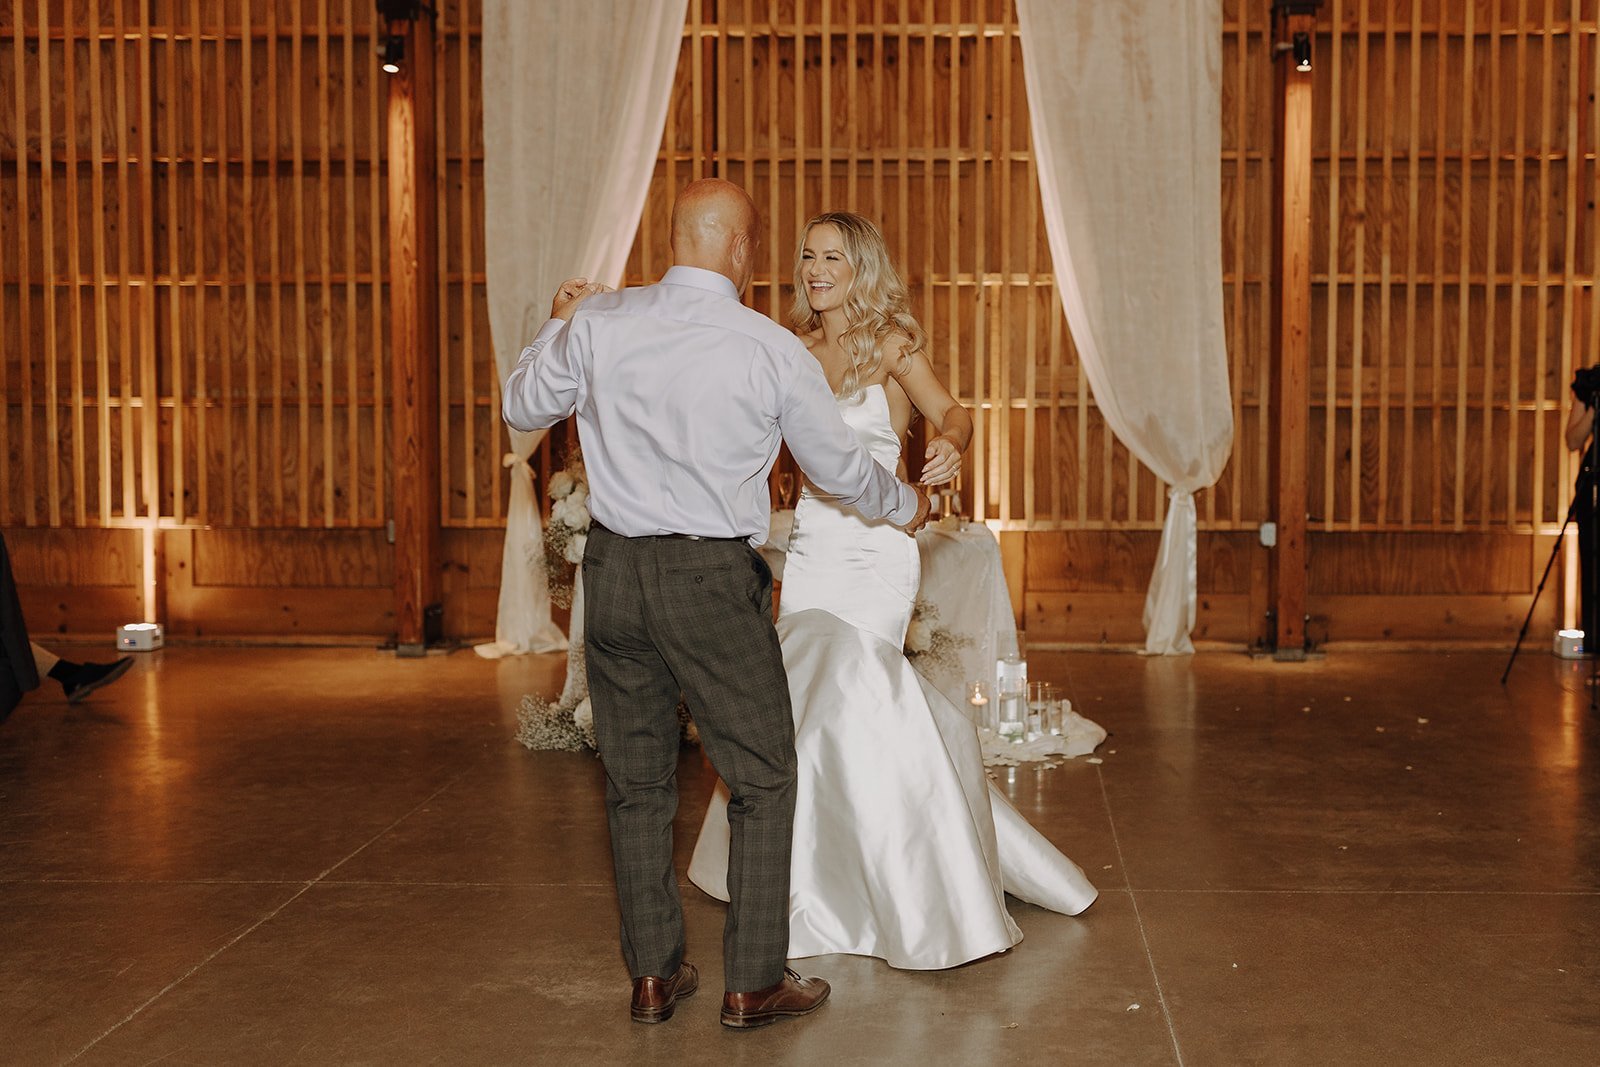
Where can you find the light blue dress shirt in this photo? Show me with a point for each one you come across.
(683, 396)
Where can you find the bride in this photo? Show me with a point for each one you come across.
(902, 849)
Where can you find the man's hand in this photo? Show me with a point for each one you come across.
(924, 505)
(571, 293)
(943, 461)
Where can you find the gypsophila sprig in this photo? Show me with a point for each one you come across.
(567, 533)
(547, 725)
(933, 649)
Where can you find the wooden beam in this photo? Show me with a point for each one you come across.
(1291, 327)
(413, 319)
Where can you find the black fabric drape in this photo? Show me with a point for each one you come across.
(17, 673)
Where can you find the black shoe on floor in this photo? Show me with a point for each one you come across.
(91, 676)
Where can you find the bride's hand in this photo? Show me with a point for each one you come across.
(943, 461)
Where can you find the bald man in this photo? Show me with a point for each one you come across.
(683, 397)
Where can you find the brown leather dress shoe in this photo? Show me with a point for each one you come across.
(792, 996)
(655, 998)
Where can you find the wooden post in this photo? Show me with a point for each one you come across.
(1291, 321)
(413, 336)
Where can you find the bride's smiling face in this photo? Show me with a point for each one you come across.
(824, 270)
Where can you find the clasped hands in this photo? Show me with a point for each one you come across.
(943, 463)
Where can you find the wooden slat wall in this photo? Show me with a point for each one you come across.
(192, 264)
(192, 306)
(1454, 272)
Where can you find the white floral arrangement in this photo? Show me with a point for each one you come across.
(542, 724)
(546, 725)
(567, 533)
(931, 648)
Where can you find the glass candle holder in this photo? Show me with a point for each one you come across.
(980, 708)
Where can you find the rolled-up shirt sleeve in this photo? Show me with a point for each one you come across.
(824, 446)
(546, 385)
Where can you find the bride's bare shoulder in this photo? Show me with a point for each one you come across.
(811, 340)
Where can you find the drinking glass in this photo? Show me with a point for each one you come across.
(1059, 706)
(1013, 718)
(1039, 696)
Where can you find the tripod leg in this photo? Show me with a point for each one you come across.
(1588, 600)
(1549, 563)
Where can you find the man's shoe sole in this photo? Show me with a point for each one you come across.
(767, 1018)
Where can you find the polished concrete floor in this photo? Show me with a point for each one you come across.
(285, 856)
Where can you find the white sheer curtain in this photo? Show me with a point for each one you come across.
(574, 100)
(1125, 105)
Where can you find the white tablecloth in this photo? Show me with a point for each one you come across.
(963, 579)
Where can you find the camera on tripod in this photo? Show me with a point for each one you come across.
(1586, 385)
(1584, 510)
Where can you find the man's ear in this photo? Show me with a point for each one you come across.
(742, 258)
(744, 248)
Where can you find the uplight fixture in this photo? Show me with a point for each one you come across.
(1302, 52)
(392, 52)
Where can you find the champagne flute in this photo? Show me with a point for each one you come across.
(786, 488)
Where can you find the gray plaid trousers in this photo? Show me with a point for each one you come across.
(664, 615)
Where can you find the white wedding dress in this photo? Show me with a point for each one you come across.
(902, 848)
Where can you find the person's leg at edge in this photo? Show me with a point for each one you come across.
(77, 680)
(44, 661)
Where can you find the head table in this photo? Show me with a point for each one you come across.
(964, 608)
(963, 582)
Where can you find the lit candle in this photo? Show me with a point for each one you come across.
(978, 703)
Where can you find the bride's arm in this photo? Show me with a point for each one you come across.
(929, 396)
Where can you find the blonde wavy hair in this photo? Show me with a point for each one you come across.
(875, 306)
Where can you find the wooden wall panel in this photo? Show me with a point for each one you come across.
(75, 558)
(296, 588)
(74, 581)
(1385, 564)
(1088, 587)
(339, 559)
